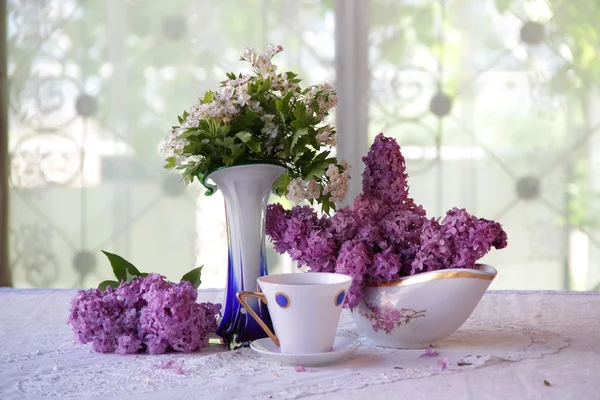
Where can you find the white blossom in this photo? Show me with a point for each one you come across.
(313, 190)
(299, 190)
(242, 96)
(249, 54)
(265, 66)
(326, 136)
(338, 182)
(225, 93)
(295, 190)
(272, 49)
(173, 147)
(270, 129)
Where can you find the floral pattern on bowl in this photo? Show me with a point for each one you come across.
(387, 317)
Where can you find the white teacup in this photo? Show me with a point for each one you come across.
(305, 309)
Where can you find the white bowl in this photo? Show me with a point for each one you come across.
(416, 311)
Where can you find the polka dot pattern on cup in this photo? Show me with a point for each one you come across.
(339, 298)
(282, 300)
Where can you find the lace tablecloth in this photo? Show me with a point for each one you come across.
(516, 345)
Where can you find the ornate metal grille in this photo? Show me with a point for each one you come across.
(95, 84)
(493, 102)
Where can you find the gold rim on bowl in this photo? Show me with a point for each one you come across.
(475, 273)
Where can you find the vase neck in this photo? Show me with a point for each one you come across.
(257, 174)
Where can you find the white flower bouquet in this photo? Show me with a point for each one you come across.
(263, 117)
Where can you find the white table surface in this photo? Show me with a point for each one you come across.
(35, 342)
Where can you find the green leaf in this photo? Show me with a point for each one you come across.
(208, 97)
(304, 157)
(228, 160)
(244, 136)
(251, 115)
(280, 185)
(236, 150)
(325, 207)
(170, 163)
(326, 204)
(254, 145)
(322, 165)
(288, 96)
(225, 142)
(322, 156)
(297, 134)
(315, 172)
(300, 112)
(104, 284)
(193, 277)
(251, 88)
(298, 124)
(190, 132)
(312, 139)
(123, 269)
(281, 106)
(266, 85)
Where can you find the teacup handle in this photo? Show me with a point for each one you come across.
(241, 296)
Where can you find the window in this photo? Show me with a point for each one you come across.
(493, 102)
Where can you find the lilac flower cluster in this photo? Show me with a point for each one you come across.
(458, 242)
(146, 314)
(383, 235)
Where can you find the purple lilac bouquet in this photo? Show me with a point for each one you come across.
(146, 314)
(383, 235)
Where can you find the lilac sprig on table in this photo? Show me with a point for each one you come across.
(145, 314)
(383, 235)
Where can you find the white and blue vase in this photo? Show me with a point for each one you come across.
(246, 190)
